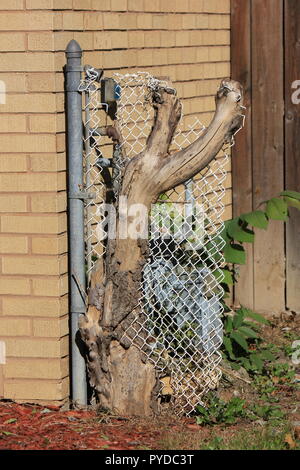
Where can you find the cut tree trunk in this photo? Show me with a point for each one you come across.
(125, 383)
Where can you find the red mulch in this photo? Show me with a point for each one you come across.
(39, 428)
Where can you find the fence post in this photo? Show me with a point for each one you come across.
(73, 70)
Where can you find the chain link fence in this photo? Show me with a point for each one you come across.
(178, 321)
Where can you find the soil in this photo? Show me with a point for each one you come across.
(30, 426)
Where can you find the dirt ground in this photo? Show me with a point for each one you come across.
(29, 426)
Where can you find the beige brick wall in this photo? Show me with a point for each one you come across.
(188, 40)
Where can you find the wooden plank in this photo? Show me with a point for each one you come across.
(242, 151)
(267, 147)
(292, 149)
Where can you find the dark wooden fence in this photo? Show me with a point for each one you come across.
(265, 58)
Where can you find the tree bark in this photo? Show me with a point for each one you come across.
(124, 381)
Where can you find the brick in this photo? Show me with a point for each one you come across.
(93, 21)
(127, 20)
(216, 53)
(50, 246)
(19, 21)
(15, 326)
(175, 55)
(34, 390)
(48, 162)
(144, 21)
(168, 38)
(119, 5)
(202, 54)
(181, 6)
(34, 224)
(13, 245)
(196, 38)
(61, 142)
(33, 307)
(82, 4)
(39, 4)
(12, 162)
(189, 21)
(27, 62)
(36, 368)
(72, 20)
(41, 41)
(215, 38)
(61, 39)
(152, 39)
(49, 202)
(11, 285)
(14, 82)
(30, 103)
(136, 39)
(42, 123)
(63, 4)
(85, 39)
(167, 6)
(60, 122)
(111, 21)
(152, 6)
(160, 56)
(111, 40)
(196, 6)
(135, 5)
(40, 265)
(50, 287)
(30, 182)
(41, 82)
(12, 123)
(175, 21)
(203, 21)
(215, 6)
(49, 328)
(103, 5)
(11, 5)
(145, 57)
(12, 42)
(182, 38)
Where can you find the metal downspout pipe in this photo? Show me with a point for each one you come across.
(73, 70)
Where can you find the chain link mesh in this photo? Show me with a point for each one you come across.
(177, 324)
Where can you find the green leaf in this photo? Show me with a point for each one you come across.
(239, 233)
(11, 420)
(228, 277)
(245, 362)
(256, 219)
(248, 332)
(293, 194)
(267, 355)
(256, 361)
(234, 254)
(238, 319)
(277, 209)
(256, 316)
(240, 340)
(228, 347)
(228, 324)
(291, 201)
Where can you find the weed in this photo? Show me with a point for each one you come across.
(268, 438)
(242, 342)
